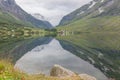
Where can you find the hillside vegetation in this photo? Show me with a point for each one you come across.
(7, 20)
(96, 16)
(97, 24)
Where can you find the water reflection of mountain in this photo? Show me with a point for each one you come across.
(15, 49)
(101, 50)
(42, 58)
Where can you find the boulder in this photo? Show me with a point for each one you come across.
(86, 77)
(59, 71)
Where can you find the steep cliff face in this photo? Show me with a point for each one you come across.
(94, 9)
(10, 6)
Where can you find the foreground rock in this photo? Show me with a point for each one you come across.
(86, 77)
(59, 71)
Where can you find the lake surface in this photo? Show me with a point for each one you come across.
(94, 54)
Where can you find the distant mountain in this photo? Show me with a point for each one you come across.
(39, 16)
(10, 7)
(96, 8)
(42, 18)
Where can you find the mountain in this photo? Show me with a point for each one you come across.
(39, 16)
(12, 9)
(93, 9)
(98, 14)
(42, 18)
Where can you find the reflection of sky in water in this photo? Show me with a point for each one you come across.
(42, 58)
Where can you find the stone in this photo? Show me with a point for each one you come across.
(59, 71)
(87, 77)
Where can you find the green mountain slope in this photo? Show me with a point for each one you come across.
(98, 15)
(8, 20)
(10, 7)
(98, 24)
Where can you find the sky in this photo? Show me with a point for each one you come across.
(52, 10)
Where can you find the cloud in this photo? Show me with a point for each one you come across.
(53, 10)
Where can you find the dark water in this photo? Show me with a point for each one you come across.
(94, 54)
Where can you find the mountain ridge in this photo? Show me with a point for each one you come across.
(94, 8)
(10, 6)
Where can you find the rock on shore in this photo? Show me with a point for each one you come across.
(61, 72)
(87, 77)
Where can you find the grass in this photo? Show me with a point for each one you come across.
(7, 72)
(97, 24)
(8, 20)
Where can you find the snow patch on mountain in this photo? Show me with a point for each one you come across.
(101, 10)
(93, 3)
(39, 16)
(80, 13)
(102, 1)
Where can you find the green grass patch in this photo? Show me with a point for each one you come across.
(97, 24)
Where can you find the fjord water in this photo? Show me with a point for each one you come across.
(42, 58)
(94, 54)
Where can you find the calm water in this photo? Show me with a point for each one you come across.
(94, 54)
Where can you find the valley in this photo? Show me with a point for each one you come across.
(83, 46)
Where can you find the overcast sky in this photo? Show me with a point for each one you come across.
(52, 10)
